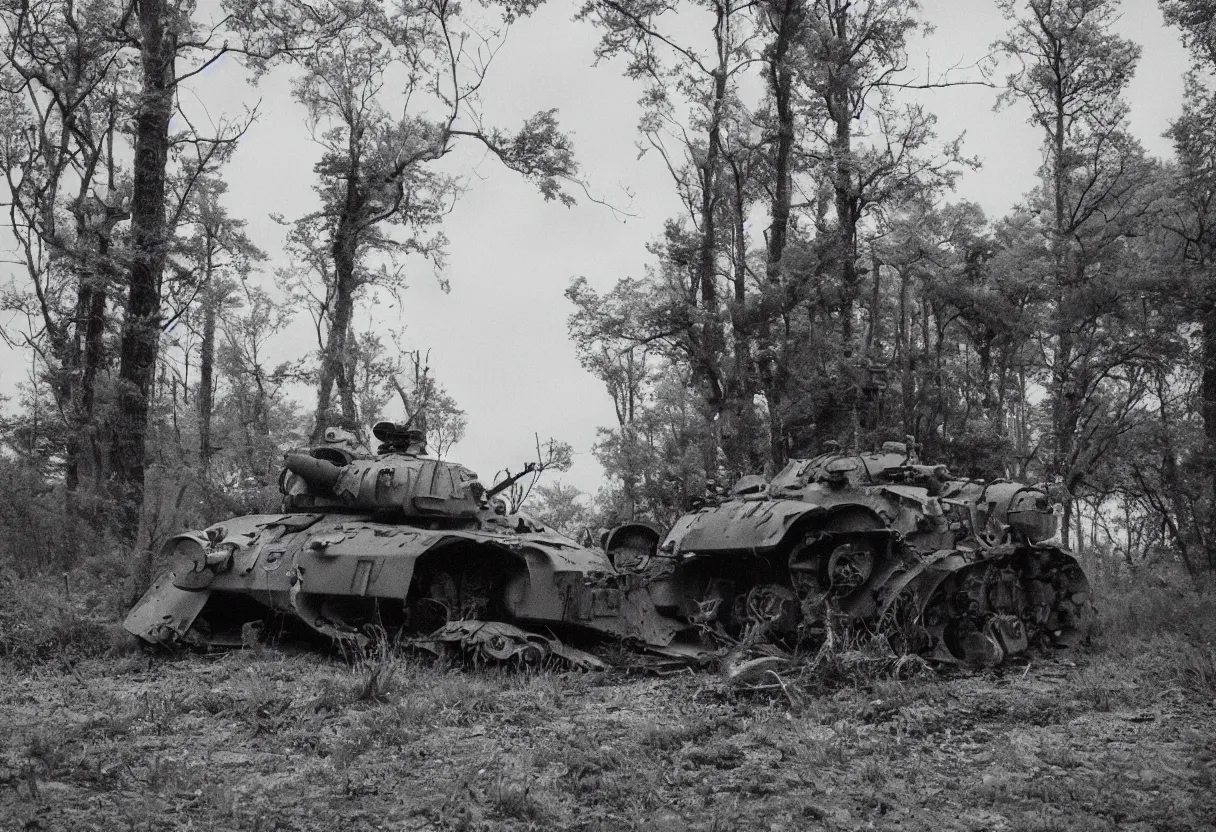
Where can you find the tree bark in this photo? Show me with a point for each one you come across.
(206, 383)
(337, 344)
(783, 17)
(1207, 406)
(841, 115)
(710, 341)
(142, 323)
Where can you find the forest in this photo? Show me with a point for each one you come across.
(815, 278)
(820, 282)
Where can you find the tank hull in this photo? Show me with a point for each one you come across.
(956, 570)
(341, 574)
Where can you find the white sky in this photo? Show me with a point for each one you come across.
(498, 340)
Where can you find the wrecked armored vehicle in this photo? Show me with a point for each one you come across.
(958, 570)
(392, 540)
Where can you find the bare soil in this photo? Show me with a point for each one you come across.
(274, 740)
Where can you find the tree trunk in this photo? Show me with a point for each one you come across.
(70, 389)
(344, 247)
(333, 359)
(1208, 411)
(142, 324)
(841, 115)
(903, 346)
(1061, 410)
(711, 340)
(783, 17)
(874, 332)
(741, 455)
(206, 384)
(846, 233)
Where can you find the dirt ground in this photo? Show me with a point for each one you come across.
(271, 740)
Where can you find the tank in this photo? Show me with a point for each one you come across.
(958, 570)
(398, 542)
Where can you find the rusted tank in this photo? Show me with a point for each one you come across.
(959, 570)
(391, 541)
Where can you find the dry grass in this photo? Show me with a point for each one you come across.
(1121, 734)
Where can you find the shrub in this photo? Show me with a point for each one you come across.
(38, 624)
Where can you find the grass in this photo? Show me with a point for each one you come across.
(96, 736)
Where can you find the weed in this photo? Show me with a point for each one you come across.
(265, 709)
(211, 702)
(1157, 632)
(874, 771)
(157, 709)
(1197, 668)
(353, 742)
(582, 757)
(376, 666)
(399, 723)
(109, 726)
(515, 801)
(46, 749)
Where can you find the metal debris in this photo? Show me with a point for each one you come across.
(496, 642)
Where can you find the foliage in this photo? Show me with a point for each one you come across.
(816, 282)
(562, 507)
(1057, 343)
(382, 195)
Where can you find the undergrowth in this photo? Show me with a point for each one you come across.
(41, 620)
(1158, 628)
(860, 737)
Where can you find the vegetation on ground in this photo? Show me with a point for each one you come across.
(101, 735)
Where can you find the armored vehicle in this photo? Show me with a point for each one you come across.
(959, 570)
(392, 540)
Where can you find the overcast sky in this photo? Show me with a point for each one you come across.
(498, 338)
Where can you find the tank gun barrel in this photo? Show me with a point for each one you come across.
(510, 481)
(320, 475)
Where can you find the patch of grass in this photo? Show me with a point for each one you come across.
(158, 709)
(512, 800)
(673, 737)
(210, 701)
(375, 667)
(719, 753)
(1156, 630)
(39, 623)
(581, 756)
(351, 742)
(266, 707)
(874, 771)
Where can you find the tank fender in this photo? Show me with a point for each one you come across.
(631, 545)
(759, 526)
(165, 612)
(920, 580)
(852, 517)
(311, 609)
(532, 592)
